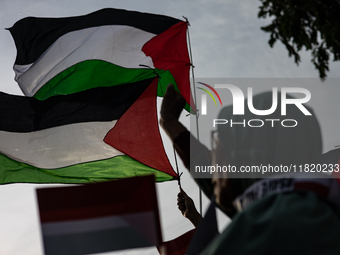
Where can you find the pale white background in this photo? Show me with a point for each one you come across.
(226, 43)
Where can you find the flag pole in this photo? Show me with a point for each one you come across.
(178, 173)
(195, 101)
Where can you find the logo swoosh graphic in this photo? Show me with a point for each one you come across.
(212, 89)
(209, 94)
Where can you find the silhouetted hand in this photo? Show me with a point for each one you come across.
(187, 207)
(171, 108)
(173, 104)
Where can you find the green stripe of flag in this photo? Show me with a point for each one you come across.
(12, 171)
(97, 73)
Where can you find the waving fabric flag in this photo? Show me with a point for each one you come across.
(61, 139)
(89, 219)
(58, 56)
(90, 84)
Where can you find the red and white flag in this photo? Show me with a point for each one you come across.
(100, 217)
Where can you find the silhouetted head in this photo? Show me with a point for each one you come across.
(273, 143)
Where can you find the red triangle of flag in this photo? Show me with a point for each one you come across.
(136, 133)
(169, 51)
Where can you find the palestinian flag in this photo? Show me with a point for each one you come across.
(109, 47)
(94, 135)
(91, 83)
(89, 219)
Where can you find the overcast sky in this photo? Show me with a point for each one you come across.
(226, 43)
